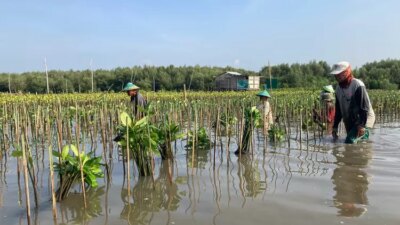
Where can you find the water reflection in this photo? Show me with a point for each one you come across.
(150, 196)
(248, 169)
(350, 179)
(72, 209)
(199, 159)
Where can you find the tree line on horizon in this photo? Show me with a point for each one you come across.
(384, 74)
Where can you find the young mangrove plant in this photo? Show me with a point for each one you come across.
(276, 134)
(21, 154)
(226, 122)
(168, 132)
(200, 140)
(69, 169)
(142, 141)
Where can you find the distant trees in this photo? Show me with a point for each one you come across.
(381, 75)
(384, 74)
(312, 74)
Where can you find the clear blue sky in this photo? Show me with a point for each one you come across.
(243, 34)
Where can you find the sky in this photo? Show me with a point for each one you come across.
(78, 34)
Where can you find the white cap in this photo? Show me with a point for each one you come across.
(339, 67)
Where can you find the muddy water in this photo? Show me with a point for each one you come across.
(318, 183)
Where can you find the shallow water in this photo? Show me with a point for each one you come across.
(319, 183)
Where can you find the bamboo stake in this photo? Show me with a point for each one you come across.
(77, 135)
(215, 136)
(53, 196)
(194, 139)
(31, 169)
(25, 166)
(127, 160)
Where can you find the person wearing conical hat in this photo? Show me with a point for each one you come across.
(266, 110)
(266, 115)
(136, 98)
(327, 93)
(353, 105)
(326, 115)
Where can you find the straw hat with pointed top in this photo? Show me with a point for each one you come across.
(264, 94)
(328, 88)
(130, 86)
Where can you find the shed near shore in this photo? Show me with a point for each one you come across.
(234, 81)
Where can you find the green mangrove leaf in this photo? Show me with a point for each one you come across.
(30, 161)
(142, 121)
(179, 136)
(56, 154)
(66, 148)
(125, 119)
(16, 153)
(64, 152)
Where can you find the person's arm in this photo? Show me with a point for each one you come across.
(362, 101)
(141, 102)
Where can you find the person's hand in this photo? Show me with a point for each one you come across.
(360, 131)
(334, 134)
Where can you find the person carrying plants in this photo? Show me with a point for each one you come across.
(325, 117)
(136, 99)
(253, 117)
(266, 110)
(353, 105)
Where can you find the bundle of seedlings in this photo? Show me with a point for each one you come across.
(252, 117)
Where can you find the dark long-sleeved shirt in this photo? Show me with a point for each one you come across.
(353, 106)
(137, 101)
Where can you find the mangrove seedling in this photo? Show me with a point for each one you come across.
(69, 169)
(227, 123)
(201, 141)
(276, 134)
(168, 132)
(143, 141)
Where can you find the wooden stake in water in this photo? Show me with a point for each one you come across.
(30, 166)
(301, 122)
(77, 135)
(53, 195)
(215, 136)
(127, 161)
(25, 166)
(194, 138)
(228, 133)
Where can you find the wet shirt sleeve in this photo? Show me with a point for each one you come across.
(362, 101)
(141, 101)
